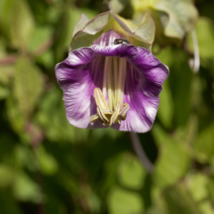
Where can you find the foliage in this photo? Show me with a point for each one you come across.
(48, 166)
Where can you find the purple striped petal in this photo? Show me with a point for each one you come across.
(82, 72)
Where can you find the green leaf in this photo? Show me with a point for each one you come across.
(6, 74)
(28, 85)
(178, 201)
(131, 173)
(158, 207)
(191, 129)
(122, 201)
(205, 35)
(6, 175)
(197, 185)
(8, 204)
(17, 22)
(204, 147)
(173, 19)
(207, 207)
(25, 189)
(210, 188)
(53, 205)
(4, 92)
(47, 163)
(47, 59)
(165, 55)
(170, 166)
(181, 89)
(92, 200)
(182, 16)
(166, 107)
(40, 36)
(24, 157)
(52, 118)
(160, 135)
(15, 115)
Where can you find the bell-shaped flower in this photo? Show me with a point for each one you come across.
(109, 81)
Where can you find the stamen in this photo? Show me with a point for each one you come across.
(105, 76)
(124, 111)
(100, 100)
(114, 78)
(101, 104)
(115, 115)
(115, 70)
(110, 85)
(102, 107)
(94, 117)
(121, 81)
(102, 115)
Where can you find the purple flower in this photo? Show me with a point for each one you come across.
(110, 84)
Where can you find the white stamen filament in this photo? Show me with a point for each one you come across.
(105, 76)
(114, 80)
(123, 76)
(110, 84)
(115, 71)
(114, 77)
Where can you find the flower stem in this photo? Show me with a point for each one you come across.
(140, 152)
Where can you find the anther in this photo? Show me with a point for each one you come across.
(123, 112)
(115, 115)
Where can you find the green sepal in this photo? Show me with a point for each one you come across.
(141, 33)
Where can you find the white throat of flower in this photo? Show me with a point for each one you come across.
(114, 77)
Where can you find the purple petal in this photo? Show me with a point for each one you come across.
(153, 72)
(142, 87)
(75, 79)
(82, 71)
(143, 107)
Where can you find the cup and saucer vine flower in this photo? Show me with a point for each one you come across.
(106, 79)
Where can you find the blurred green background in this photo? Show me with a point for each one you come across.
(49, 167)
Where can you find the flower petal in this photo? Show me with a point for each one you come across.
(74, 77)
(153, 72)
(144, 80)
(82, 71)
(79, 74)
(141, 115)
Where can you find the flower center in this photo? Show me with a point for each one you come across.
(114, 80)
(114, 77)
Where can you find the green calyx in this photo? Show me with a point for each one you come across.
(87, 31)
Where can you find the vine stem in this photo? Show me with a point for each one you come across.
(141, 153)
